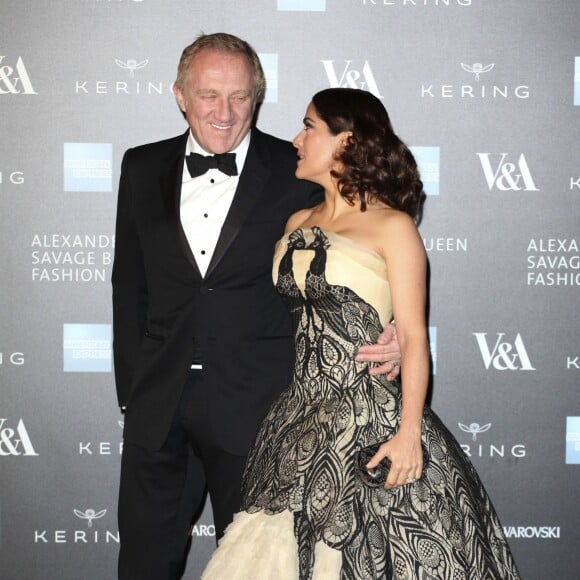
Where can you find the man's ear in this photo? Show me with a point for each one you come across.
(179, 97)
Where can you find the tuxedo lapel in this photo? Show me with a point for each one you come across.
(171, 182)
(252, 180)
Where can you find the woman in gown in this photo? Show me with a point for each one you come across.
(346, 268)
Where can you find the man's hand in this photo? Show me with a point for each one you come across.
(386, 352)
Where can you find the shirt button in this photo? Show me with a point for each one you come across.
(203, 252)
(205, 215)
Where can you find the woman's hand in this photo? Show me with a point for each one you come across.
(386, 353)
(406, 456)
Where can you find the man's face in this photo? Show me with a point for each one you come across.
(218, 99)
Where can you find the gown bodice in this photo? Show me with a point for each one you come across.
(341, 262)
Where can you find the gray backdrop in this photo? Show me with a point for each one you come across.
(487, 94)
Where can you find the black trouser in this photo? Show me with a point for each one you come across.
(161, 490)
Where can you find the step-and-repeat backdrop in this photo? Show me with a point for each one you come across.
(487, 94)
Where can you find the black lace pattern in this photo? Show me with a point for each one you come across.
(304, 458)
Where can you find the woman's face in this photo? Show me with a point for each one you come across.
(316, 149)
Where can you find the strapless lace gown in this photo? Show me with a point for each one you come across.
(305, 514)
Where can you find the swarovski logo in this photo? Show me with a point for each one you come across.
(89, 515)
(474, 429)
(504, 355)
(131, 65)
(352, 78)
(544, 532)
(15, 441)
(15, 80)
(203, 530)
(507, 176)
(477, 69)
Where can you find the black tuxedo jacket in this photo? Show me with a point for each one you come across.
(164, 310)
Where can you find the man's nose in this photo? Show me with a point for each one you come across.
(224, 110)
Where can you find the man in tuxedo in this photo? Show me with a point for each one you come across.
(202, 341)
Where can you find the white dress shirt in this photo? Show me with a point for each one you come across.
(205, 202)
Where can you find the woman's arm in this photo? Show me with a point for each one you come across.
(404, 254)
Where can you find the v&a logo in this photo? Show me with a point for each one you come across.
(507, 175)
(15, 441)
(504, 355)
(351, 77)
(15, 80)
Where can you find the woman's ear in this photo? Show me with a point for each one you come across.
(344, 137)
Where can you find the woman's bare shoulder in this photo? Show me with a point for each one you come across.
(297, 219)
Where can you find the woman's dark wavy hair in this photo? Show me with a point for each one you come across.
(377, 164)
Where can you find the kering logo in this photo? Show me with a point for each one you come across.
(478, 90)
(101, 447)
(505, 355)
(131, 65)
(488, 449)
(507, 176)
(122, 87)
(415, 3)
(14, 177)
(352, 78)
(15, 80)
(15, 441)
(14, 358)
(89, 515)
(474, 429)
(477, 69)
(91, 536)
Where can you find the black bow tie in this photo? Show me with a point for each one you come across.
(198, 164)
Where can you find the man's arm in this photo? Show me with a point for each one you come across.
(129, 290)
(386, 351)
